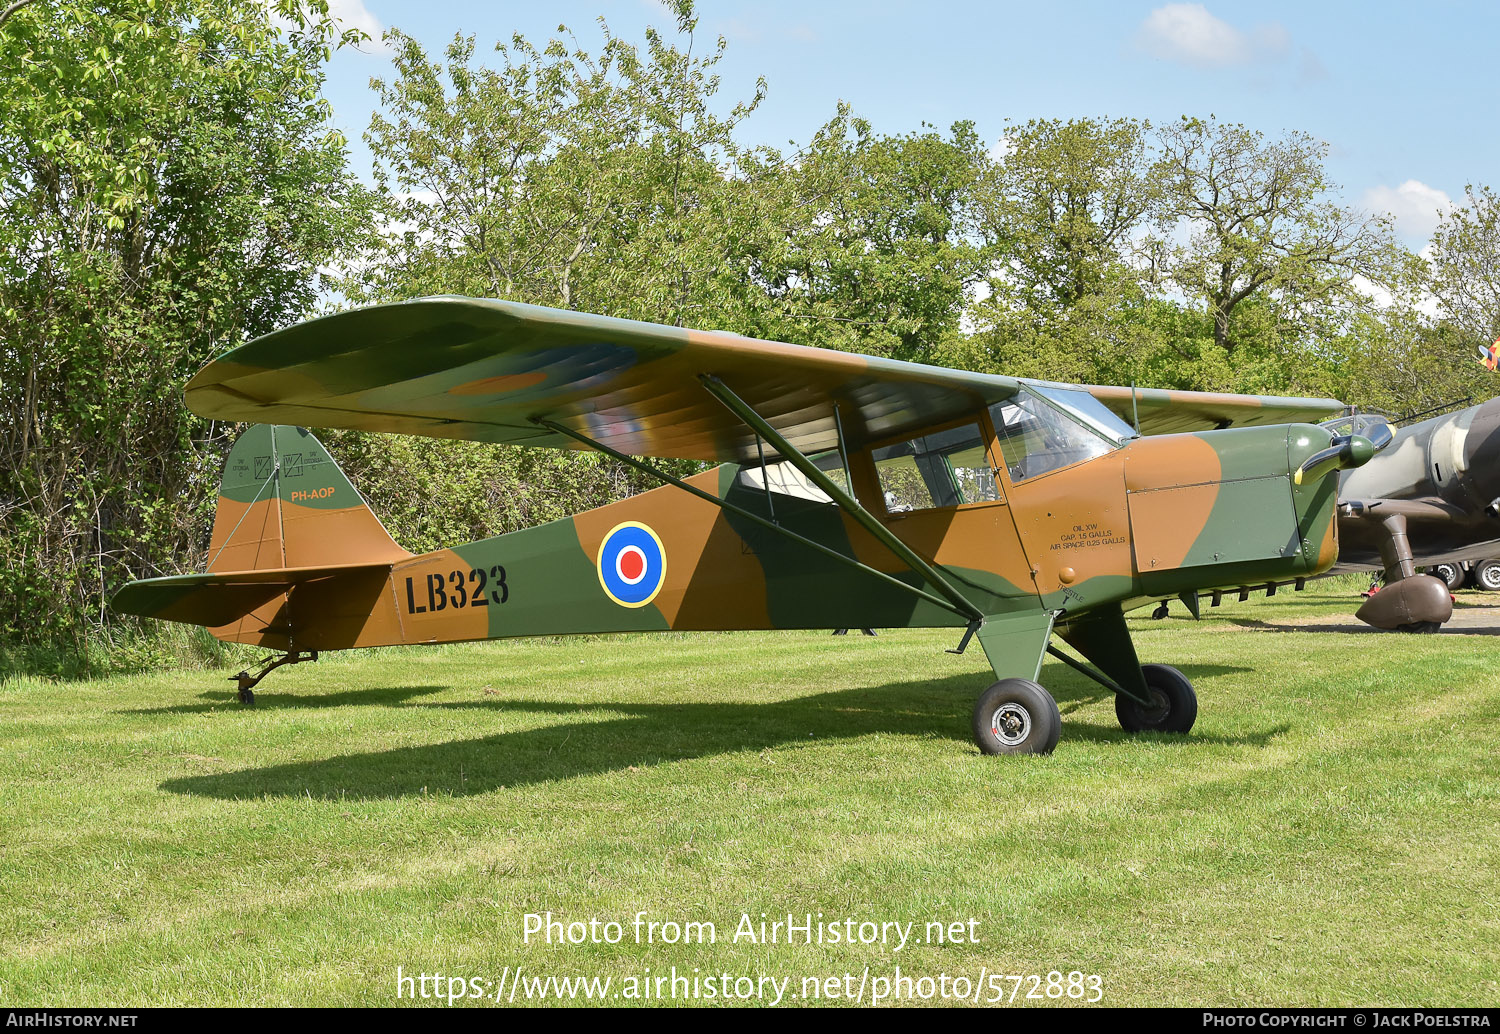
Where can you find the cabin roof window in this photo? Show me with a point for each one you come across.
(1080, 404)
(780, 477)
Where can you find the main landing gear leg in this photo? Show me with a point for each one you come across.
(1410, 602)
(1148, 697)
(1015, 715)
(246, 682)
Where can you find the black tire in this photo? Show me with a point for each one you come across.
(247, 697)
(1176, 704)
(1452, 575)
(1487, 575)
(1419, 627)
(1016, 716)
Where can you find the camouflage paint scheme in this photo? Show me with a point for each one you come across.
(1431, 496)
(299, 562)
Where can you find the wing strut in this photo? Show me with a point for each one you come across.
(748, 515)
(843, 499)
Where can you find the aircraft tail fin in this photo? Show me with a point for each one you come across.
(288, 522)
(284, 503)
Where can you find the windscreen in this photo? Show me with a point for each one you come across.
(1037, 437)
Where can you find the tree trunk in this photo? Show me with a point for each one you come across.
(1221, 324)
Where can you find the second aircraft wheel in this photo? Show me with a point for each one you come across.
(1174, 704)
(1487, 575)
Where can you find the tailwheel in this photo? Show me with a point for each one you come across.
(245, 682)
(1174, 705)
(1016, 716)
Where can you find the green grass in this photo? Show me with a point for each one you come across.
(1327, 835)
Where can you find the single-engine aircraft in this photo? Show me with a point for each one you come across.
(851, 492)
(1431, 498)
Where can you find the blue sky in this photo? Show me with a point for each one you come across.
(1404, 93)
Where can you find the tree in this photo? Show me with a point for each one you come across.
(1258, 220)
(558, 178)
(170, 185)
(1060, 212)
(867, 242)
(1399, 361)
(1466, 263)
(1062, 206)
(603, 183)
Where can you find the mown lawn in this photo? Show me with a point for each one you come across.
(1328, 834)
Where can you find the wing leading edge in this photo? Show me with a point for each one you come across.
(1164, 411)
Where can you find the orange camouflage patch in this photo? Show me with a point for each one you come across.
(1172, 483)
(499, 385)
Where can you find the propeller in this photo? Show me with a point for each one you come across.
(1345, 451)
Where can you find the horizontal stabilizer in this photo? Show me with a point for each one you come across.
(221, 597)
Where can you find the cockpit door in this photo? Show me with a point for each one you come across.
(1063, 474)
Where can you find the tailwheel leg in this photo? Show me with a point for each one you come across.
(1173, 707)
(1016, 716)
(245, 682)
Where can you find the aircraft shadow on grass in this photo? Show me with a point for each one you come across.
(225, 700)
(642, 735)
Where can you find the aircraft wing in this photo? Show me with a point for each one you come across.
(1162, 411)
(477, 369)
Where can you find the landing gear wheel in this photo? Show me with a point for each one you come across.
(1174, 704)
(247, 697)
(1016, 716)
(1420, 627)
(1487, 575)
(1451, 574)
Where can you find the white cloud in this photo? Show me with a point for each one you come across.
(1427, 304)
(758, 30)
(1415, 207)
(1370, 289)
(349, 14)
(1190, 35)
(353, 14)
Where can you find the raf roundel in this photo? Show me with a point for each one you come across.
(632, 564)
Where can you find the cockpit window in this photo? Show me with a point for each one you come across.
(1366, 424)
(1090, 410)
(1038, 438)
(945, 468)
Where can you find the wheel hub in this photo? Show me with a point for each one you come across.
(1011, 724)
(1160, 705)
